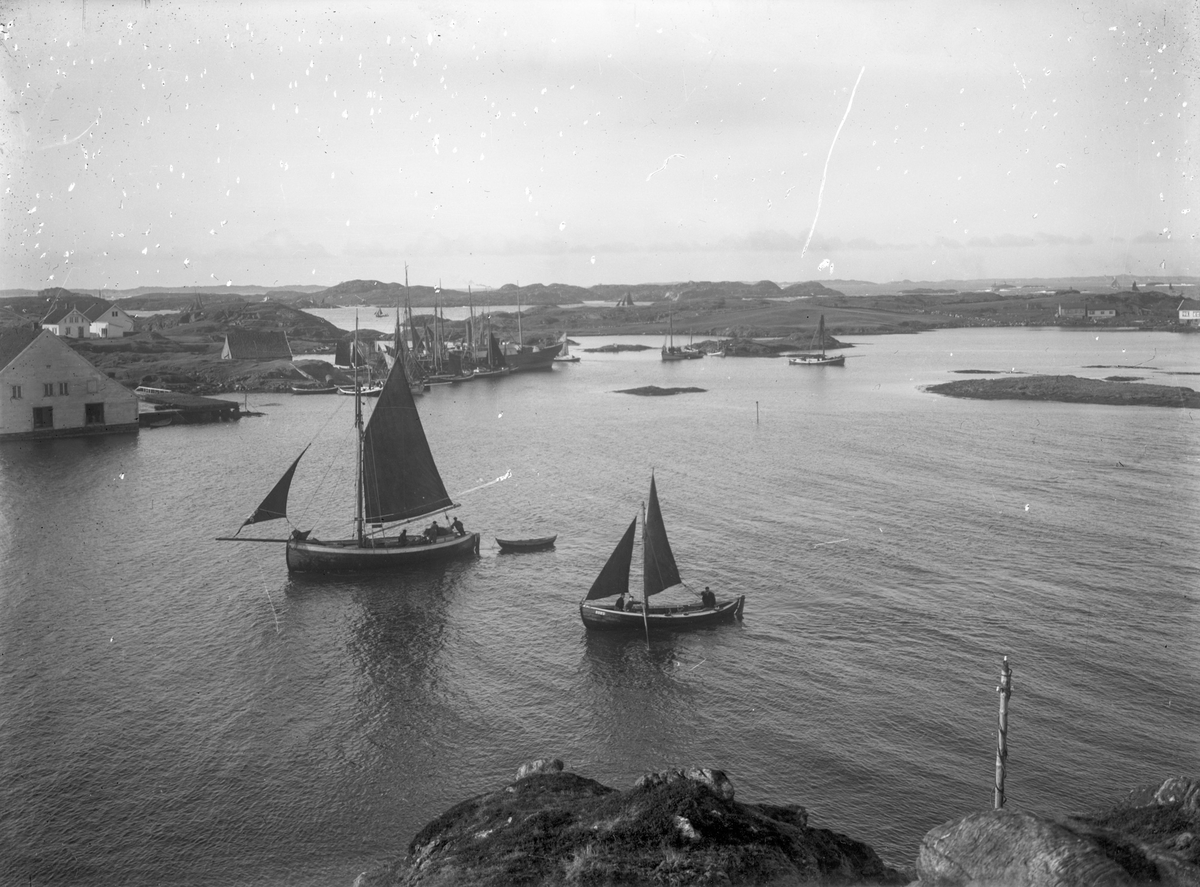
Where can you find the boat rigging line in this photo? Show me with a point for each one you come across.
(507, 474)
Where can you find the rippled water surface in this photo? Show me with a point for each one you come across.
(178, 711)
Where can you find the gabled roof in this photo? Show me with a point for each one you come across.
(96, 310)
(258, 344)
(89, 307)
(13, 342)
(1188, 305)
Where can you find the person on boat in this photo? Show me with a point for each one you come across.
(457, 526)
(402, 540)
(621, 602)
(708, 598)
(432, 533)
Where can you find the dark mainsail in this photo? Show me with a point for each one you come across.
(274, 506)
(400, 479)
(614, 578)
(495, 355)
(659, 570)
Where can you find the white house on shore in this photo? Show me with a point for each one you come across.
(87, 318)
(1189, 312)
(47, 390)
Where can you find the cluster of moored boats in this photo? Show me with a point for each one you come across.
(394, 491)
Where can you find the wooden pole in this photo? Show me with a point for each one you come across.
(1005, 691)
(756, 412)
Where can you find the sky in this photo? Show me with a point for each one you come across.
(150, 143)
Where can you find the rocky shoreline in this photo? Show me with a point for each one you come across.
(1071, 389)
(684, 827)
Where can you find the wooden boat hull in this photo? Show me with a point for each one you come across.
(835, 361)
(514, 545)
(330, 390)
(345, 555)
(681, 354)
(538, 359)
(600, 618)
(373, 391)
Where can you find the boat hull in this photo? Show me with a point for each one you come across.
(600, 618)
(669, 354)
(345, 555)
(835, 361)
(330, 390)
(512, 545)
(538, 359)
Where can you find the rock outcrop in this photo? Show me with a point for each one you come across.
(1071, 389)
(677, 827)
(1152, 837)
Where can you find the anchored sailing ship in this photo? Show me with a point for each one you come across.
(818, 358)
(670, 352)
(659, 572)
(397, 483)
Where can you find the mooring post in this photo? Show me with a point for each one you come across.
(1005, 691)
(756, 412)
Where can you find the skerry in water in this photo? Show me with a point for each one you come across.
(659, 572)
(397, 483)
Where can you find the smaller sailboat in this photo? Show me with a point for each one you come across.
(564, 352)
(818, 357)
(659, 572)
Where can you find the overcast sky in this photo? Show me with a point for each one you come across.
(155, 143)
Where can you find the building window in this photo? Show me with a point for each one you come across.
(63, 388)
(93, 414)
(48, 389)
(43, 417)
(114, 314)
(16, 392)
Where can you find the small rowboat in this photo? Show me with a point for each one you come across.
(299, 389)
(515, 545)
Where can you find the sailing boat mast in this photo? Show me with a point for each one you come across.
(645, 593)
(358, 427)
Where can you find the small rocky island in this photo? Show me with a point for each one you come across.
(655, 391)
(1071, 389)
(683, 827)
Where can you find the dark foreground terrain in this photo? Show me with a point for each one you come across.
(685, 827)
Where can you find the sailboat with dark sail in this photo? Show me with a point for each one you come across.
(659, 573)
(818, 357)
(397, 483)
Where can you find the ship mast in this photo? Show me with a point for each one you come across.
(358, 425)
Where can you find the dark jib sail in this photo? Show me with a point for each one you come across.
(614, 578)
(659, 570)
(400, 479)
(274, 506)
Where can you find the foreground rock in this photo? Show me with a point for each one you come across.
(679, 827)
(1152, 837)
(1071, 389)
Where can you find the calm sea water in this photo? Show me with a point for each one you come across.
(178, 711)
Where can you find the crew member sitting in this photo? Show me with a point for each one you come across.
(403, 540)
(621, 602)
